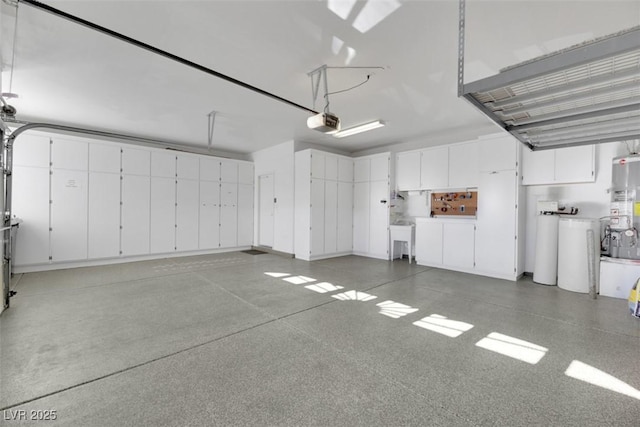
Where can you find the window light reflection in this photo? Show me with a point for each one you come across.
(374, 12)
(299, 280)
(513, 347)
(273, 274)
(394, 309)
(589, 374)
(442, 325)
(354, 296)
(342, 8)
(323, 287)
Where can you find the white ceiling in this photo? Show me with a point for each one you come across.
(68, 74)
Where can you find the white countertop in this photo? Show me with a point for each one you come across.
(456, 219)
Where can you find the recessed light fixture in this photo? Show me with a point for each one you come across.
(360, 128)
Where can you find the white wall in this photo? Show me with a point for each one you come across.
(591, 198)
(280, 161)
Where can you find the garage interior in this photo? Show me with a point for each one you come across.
(183, 247)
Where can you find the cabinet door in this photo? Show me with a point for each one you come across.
(345, 217)
(187, 196)
(163, 215)
(32, 150)
(317, 164)
(458, 245)
(379, 219)
(136, 205)
(497, 154)
(331, 168)
(245, 214)
(408, 171)
(163, 164)
(68, 154)
(361, 168)
(361, 217)
(228, 171)
(496, 224)
(317, 216)
(31, 204)
(209, 169)
(538, 167)
(209, 221)
(187, 167)
(245, 173)
(429, 243)
(228, 215)
(380, 168)
(434, 168)
(330, 217)
(69, 196)
(345, 169)
(463, 165)
(575, 164)
(104, 214)
(104, 158)
(136, 162)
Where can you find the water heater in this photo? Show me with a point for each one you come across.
(620, 231)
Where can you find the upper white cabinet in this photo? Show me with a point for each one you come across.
(70, 154)
(361, 168)
(559, 166)
(104, 158)
(187, 167)
(229, 171)
(32, 150)
(209, 169)
(434, 168)
(463, 165)
(408, 170)
(245, 173)
(136, 161)
(345, 169)
(497, 153)
(163, 164)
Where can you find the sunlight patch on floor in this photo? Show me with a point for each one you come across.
(394, 309)
(513, 347)
(299, 280)
(323, 287)
(442, 325)
(583, 372)
(276, 275)
(354, 296)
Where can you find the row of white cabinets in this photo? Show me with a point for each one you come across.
(455, 165)
(79, 155)
(92, 210)
(559, 166)
(337, 217)
(447, 244)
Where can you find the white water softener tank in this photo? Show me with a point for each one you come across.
(573, 257)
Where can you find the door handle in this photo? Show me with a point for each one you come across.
(383, 201)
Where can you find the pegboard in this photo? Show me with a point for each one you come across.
(459, 203)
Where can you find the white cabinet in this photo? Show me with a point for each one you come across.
(69, 154)
(371, 206)
(408, 170)
(497, 153)
(344, 240)
(245, 213)
(187, 167)
(162, 215)
(209, 215)
(434, 168)
(187, 212)
(209, 169)
(163, 164)
(104, 158)
(458, 245)
(559, 166)
(245, 173)
(463, 165)
(447, 243)
(104, 212)
(496, 244)
(136, 162)
(323, 205)
(228, 171)
(136, 206)
(31, 204)
(69, 201)
(228, 214)
(32, 150)
(428, 242)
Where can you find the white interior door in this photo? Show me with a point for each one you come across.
(266, 210)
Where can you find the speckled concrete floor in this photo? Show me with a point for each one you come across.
(235, 339)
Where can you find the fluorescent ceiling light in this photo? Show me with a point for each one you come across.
(359, 129)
